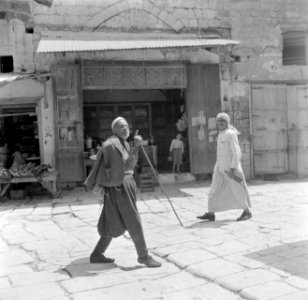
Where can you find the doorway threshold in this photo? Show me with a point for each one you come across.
(166, 178)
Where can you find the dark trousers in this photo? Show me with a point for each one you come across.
(120, 213)
(137, 237)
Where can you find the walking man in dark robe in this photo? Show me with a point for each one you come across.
(113, 171)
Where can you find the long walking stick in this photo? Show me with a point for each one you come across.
(161, 186)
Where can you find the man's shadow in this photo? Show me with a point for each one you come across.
(208, 224)
(81, 267)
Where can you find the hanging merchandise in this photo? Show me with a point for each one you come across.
(181, 124)
(199, 122)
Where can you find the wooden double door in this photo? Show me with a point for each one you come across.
(280, 129)
(269, 128)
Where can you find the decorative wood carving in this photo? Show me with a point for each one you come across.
(92, 75)
(132, 77)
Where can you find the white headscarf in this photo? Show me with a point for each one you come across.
(115, 121)
(226, 117)
(223, 116)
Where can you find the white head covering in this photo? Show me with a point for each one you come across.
(223, 116)
(226, 117)
(115, 121)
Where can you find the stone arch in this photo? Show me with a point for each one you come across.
(126, 5)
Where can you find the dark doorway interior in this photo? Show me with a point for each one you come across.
(158, 115)
(6, 64)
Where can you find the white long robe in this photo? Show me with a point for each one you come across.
(226, 193)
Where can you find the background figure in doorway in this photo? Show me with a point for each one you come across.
(176, 151)
(17, 157)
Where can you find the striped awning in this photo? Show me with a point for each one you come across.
(81, 44)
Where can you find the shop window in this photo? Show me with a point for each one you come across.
(6, 64)
(294, 48)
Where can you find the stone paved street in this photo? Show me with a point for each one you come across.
(45, 244)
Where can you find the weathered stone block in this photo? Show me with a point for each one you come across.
(213, 4)
(225, 75)
(40, 19)
(209, 14)
(222, 13)
(237, 102)
(193, 23)
(148, 6)
(198, 13)
(191, 14)
(163, 15)
(226, 106)
(202, 4)
(181, 13)
(155, 10)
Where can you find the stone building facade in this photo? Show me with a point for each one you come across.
(248, 70)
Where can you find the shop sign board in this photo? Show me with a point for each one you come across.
(133, 76)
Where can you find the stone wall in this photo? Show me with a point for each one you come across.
(15, 17)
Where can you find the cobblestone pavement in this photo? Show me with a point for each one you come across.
(45, 244)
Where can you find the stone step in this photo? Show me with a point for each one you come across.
(166, 178)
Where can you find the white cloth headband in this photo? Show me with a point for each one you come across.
(115, 121)
(223, 116)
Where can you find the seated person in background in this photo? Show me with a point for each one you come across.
(17, 156)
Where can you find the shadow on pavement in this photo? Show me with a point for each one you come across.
(82, 267)
(291, 258)
(204, 224)
(132, 268)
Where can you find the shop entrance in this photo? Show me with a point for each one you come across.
(158, 115)
(19, 133)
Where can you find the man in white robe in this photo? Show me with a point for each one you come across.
(228, 190)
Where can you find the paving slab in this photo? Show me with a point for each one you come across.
(215, 268)
(300, 295)
(207, 291)
(14, 258)
(4, 283)
(239, 281)
(131, 291)
(268, 290)
(190, 257)
(5, 271)
(102, 280)
(33, 292)
(36, 277)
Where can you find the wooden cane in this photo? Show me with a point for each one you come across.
(161, 186)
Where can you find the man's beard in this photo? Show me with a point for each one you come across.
(124, 135)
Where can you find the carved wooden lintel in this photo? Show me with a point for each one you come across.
(133, 77)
